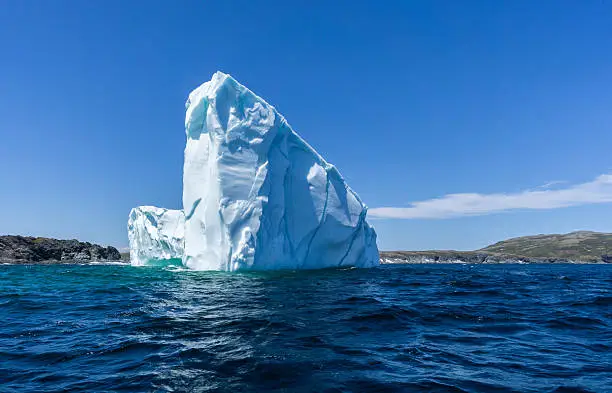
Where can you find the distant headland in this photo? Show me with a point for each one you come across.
(574, 247)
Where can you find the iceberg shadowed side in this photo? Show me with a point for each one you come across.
(256, 196)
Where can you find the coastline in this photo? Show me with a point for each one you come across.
(477, 257)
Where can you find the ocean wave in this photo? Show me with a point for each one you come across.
(416, 328)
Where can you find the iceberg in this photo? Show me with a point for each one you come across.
(256, 196)
(155, 233)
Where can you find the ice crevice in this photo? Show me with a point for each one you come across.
(316, 230)
(193, 208)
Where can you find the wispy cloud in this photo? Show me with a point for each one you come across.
(550, 184)
(458, 205)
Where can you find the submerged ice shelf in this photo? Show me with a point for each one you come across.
(256, 196)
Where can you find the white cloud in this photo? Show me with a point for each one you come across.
(459, 205)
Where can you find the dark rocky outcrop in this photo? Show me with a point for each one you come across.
(25, 249)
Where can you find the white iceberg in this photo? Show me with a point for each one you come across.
(256, 196)
(155, 234)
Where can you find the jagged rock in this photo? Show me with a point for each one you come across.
(25, 249)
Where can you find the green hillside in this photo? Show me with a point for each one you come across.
(581, 245)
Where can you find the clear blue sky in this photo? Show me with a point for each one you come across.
(411, 100)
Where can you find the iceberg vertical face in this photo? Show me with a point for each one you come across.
(155, 234)
(257, 196)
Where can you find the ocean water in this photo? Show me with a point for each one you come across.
(404, 328)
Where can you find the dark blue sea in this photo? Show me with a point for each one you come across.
(402, 328)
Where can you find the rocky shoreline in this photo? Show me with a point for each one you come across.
(26, 249)
(475, 257)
